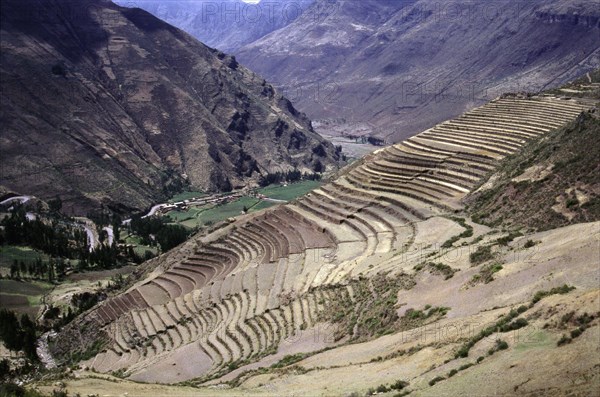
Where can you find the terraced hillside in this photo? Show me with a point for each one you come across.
(236, 296)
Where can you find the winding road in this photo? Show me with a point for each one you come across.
(110, 233)
(22, 199)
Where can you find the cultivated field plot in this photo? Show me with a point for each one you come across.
(23, 296)
(9, 254)
(291, 191)
(206, 215)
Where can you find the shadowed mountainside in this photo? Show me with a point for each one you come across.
(224, 24)
(394, 68)
(103, 104)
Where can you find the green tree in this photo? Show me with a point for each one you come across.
(55, 205)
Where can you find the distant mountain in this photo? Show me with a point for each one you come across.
(224, 24)
(394, 68)
(104, 104)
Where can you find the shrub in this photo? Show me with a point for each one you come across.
(572, 202)
(576, 332)
(59, 70)
(465, 366)
(414, 314)
(232, 366)
(468, 232)
(564, 340)
(398, 385)
(464, 351)
(446, 270)
(289, 360)
(484, 333)
(584, 319)
(501, 345)
(507, 239)
(480, 359)
(452, 373)
(564, 289)
(487, 273)
(517, 324)
(436, 380)
(529, 244)
(482, 254)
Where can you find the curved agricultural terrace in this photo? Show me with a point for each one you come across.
(234, 296)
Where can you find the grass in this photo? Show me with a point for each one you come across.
(468, 232)
(139, 248)
(373, 311)
(211, 214)
(186, 196)
(564, 289)
(574, 155)
(486, 274)
(263, 205)
(25, 288)
(289, 360)
(504, 323)
(181, 216)
(222, 212)
(484, 333)
(537, 339)
(9, 253)
(481, 255)
(291, 191)
(437, 268)
(22, 296)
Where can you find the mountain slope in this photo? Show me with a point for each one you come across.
(552, 183)
(397, 67)
(227, 24)
(355, 261)
(102, 104)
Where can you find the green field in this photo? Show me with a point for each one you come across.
(289, 192)
(212, 214)
(263, 205)
(139, 248)
(182, 216)
(186, 196)
(22, 296)
(9, 253)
